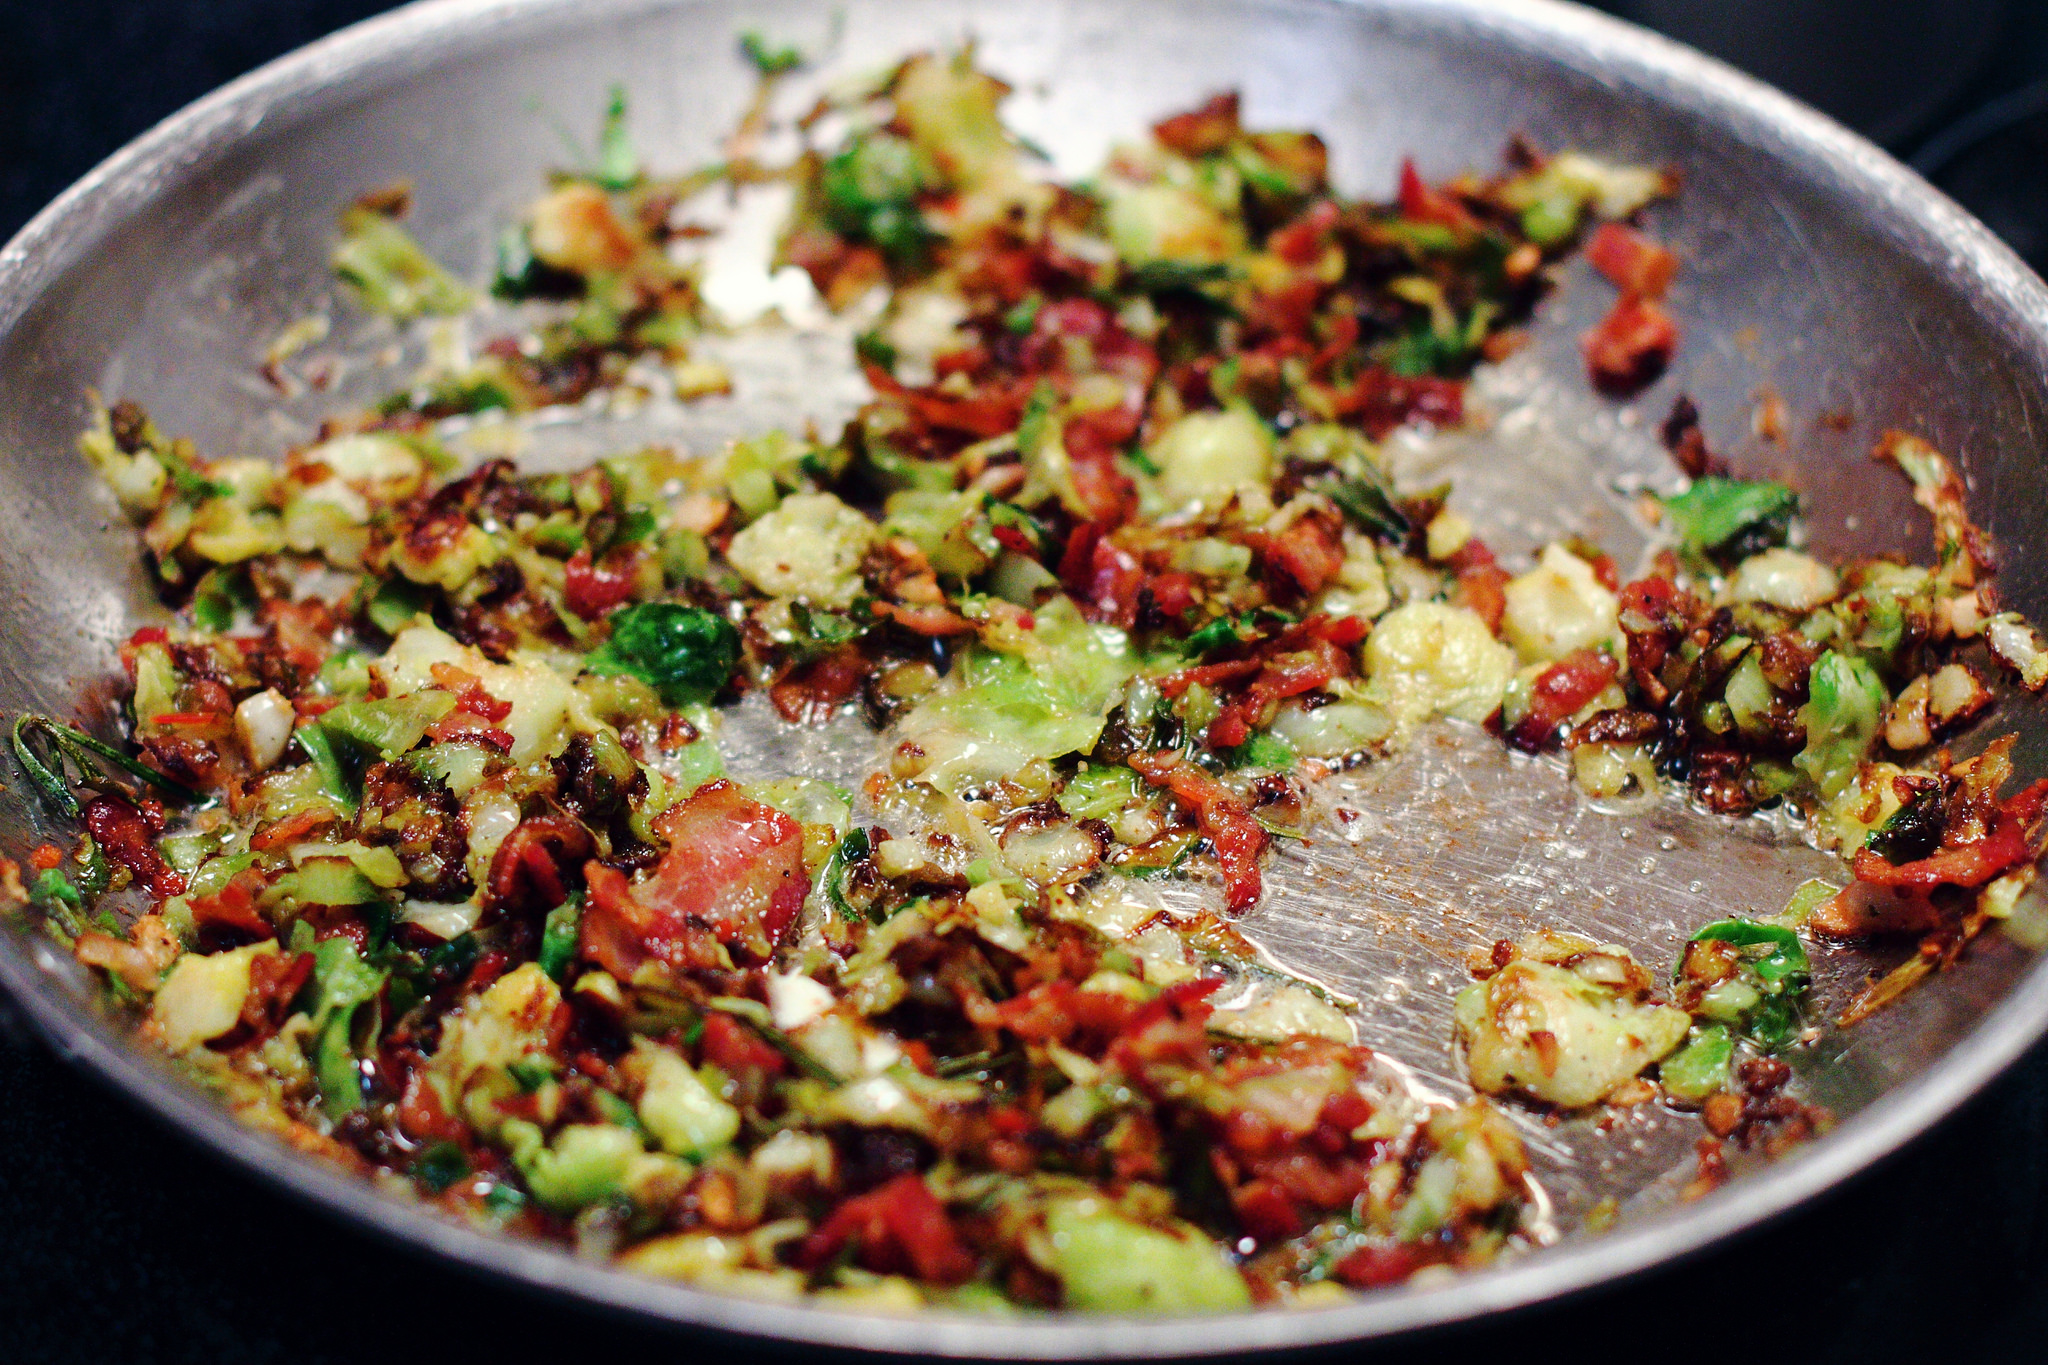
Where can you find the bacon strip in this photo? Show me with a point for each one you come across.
(2002, 848)
(1222, 816)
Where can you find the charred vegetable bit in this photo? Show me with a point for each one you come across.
(424, 854)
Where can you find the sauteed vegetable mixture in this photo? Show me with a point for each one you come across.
(423, 856)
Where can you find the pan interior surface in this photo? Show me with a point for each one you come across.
(1815, 272)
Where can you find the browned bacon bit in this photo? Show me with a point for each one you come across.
(1768, 1113)
(737, 1050)
(233, 908)
(459, 727)
(136, 967)
(126, 838)
(1222, 817)
(1104, 578)
(1623, 725)
(469, 693)
(1481, 584)
(1632, 261)
(1106, 492)
(420, 1114)
(899, 1228)
(930, 620)
(1683, 437)
(734, 871)
(1864, 909)
(993, 411)
(1378, 1263)
(1655, 615)
(1283, 675)
(1301, 243)
(2004, 845)
(1306, 555)
(527, 870)
(1202, 131)
(1560, 692)
(275, 980)
(1207, 675)
(1423, 203)
(1380, 400)
(591, 590)
(1630, 347)
(1712, 1171)
(810, 694)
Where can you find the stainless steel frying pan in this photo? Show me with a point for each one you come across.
(1817, 271)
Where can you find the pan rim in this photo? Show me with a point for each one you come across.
(416, 37)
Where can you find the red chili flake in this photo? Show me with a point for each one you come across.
(43, 857)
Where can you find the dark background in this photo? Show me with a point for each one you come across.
(119, 1243)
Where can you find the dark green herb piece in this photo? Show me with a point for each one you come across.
(218, 595)
(1262, 751)
(1371, 505)
(392, 607)
(1775, 965)
(1732, 517)
(618, 165)
(686, 654)
(870, 193)
(504, 1200)
(342, 984)
(851, 849)
(1914, 830)
(530, 1073)
(769, 59)
(440, 1166)
(1166, 277)
(558, 937)
(339, 779)
(63, 744)
(1022, 318)
(872, 348)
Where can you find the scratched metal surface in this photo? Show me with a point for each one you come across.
(1813, 266)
